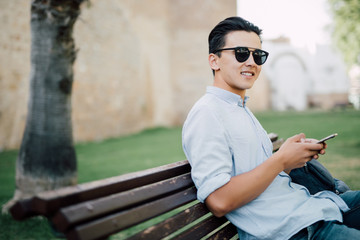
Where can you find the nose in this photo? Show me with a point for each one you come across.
(250, 61)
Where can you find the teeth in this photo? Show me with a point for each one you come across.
(246, 74)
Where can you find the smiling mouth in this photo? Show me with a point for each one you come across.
(247, 73)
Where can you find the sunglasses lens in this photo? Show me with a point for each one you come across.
(260, 57)
(242, 54)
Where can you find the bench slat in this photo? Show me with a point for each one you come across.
(22, 210)
(273, 136)
(202, 229)
(277, 144)
(118, 221)
(47, 203)
(227, 232)
(173, 223)
(88, 210)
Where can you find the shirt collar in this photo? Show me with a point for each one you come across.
(227, 96)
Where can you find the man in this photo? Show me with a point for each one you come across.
(233, 167)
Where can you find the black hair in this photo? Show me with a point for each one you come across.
(217, 35)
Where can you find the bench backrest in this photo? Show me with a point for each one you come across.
(162, 200)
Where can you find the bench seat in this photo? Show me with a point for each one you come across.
(101, 208)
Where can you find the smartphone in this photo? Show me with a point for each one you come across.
(327, 138)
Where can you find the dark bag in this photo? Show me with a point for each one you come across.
(315, 177)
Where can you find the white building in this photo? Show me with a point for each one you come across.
(299, 79)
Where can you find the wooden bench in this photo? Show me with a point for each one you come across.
(162, 200)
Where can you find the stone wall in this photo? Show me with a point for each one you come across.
(140, 64)
(14, 70)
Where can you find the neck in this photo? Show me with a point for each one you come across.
(241, 92)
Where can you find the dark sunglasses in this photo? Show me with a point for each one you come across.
(243, 53)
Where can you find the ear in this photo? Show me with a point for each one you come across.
(213, 61)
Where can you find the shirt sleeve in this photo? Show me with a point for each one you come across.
(207, 149)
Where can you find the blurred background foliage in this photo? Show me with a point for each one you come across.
(346, 29)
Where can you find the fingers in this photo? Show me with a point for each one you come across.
(298, 137)
(316, 149)
(310, 140)
(313, 141)
(313, 146)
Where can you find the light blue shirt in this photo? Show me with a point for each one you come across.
(221, 139)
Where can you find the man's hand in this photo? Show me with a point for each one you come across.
(297, 151)
(312, 140)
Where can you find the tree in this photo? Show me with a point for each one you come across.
(47, 158)
(346, 32)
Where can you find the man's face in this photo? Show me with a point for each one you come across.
(230, 74)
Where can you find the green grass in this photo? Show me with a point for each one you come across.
(113, 157)
(155, 147)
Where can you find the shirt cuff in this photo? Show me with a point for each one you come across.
(211, 185)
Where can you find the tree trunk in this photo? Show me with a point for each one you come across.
(47, 158)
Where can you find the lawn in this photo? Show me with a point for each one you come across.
(155, 147)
